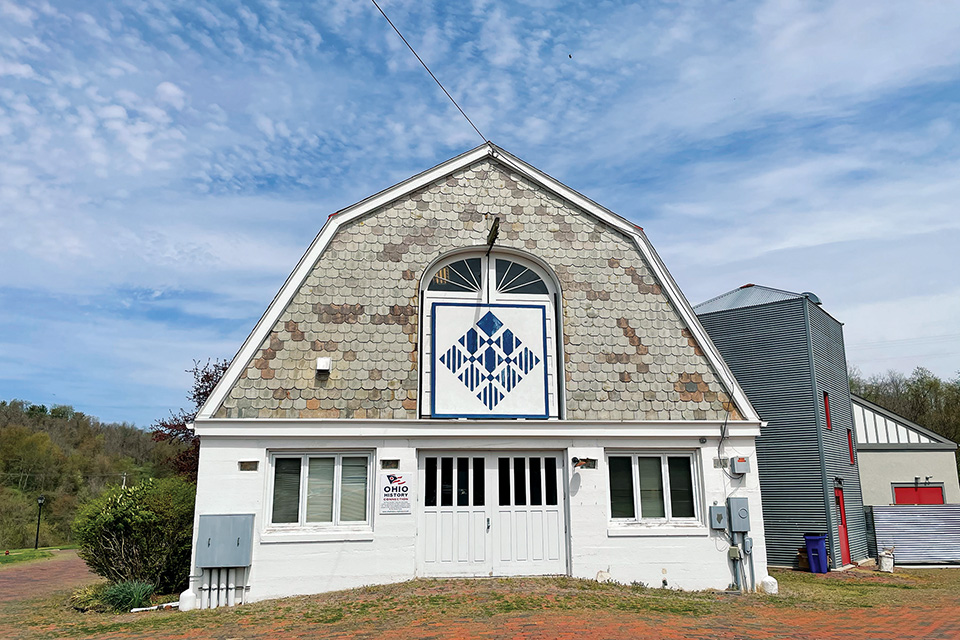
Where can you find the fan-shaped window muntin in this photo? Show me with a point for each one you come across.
(462, 275)
(513, 277)
(467, 276)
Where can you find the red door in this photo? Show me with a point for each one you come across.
(842, 526)
(918, 495)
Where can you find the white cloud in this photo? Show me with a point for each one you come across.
(171, 94)
(112, 111)
(16, 69)
(195, 149)
(17, 13)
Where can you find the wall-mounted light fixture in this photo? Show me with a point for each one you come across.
(324, 365)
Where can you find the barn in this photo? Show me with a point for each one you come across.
(476, 372)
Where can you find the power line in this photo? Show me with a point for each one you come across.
(917, 340)
(428, 70)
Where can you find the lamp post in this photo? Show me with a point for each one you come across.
(40, 502)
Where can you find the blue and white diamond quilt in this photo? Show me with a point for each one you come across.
(488, 361)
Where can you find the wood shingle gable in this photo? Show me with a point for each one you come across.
(633, 349)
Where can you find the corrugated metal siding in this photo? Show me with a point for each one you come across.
(926, 533)
(830, 375)
(767, 349)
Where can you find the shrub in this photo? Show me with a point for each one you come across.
(90, 598)
(124, 596)
(141, 533)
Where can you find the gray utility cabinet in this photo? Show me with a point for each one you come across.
(787, 353)
(224, 541)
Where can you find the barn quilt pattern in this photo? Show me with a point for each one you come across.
(489, 359)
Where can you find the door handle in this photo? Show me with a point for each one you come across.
(488, 525)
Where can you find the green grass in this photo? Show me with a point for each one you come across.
(24, 555)
(862, 588)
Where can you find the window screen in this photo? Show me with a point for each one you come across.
(651, 488)
(320, 489)
(286, 490)
(621, 488)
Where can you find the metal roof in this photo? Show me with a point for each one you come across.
(749, 295)
(881, 428)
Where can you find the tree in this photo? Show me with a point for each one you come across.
(175, 429)
(921, 397)
(140, 533)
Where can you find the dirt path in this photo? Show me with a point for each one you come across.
(38, 578)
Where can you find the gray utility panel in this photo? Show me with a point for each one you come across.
(718, 517)
(739, 514)
(224, 540)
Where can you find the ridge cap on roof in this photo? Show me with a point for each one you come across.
(750, 286)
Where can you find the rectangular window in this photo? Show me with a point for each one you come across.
(503, 476)
(478, 487)
(519, 481)
(654, 487)
(826, 409)
(446, 482)
(550, 480)
(621, 487)
(329, 489)
(853, 460)
(430, 482)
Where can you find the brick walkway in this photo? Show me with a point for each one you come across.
(34, 579)
(905, 615)
(756, 623)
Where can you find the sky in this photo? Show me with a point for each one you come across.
(164, 164)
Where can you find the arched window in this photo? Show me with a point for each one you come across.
(489, 338)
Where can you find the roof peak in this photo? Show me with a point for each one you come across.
(750, 295)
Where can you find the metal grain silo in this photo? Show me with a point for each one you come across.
(788, 355)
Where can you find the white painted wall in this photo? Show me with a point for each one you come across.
(879, 470)
(686, 558)
(291, 564)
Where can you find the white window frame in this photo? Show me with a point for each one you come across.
(302, 526)
(552, 300)
(625, 525)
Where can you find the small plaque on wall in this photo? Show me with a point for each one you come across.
(396, 493)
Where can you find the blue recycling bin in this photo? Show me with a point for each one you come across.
(816, 552)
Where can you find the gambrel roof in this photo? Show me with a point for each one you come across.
(349, 216)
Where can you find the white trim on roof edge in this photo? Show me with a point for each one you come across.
(486, 150)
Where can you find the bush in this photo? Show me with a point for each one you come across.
(141, 533)
(124, 596)
(90, 598)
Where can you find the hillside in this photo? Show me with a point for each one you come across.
(67, 457)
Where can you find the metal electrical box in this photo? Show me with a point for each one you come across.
(740, 465)
(739, 514)
(718, 517)
(224, 540)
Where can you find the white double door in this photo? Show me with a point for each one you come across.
(491, 514)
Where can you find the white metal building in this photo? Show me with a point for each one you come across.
(900, 461)
(477, 372)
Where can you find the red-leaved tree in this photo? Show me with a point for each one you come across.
(205, 378)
